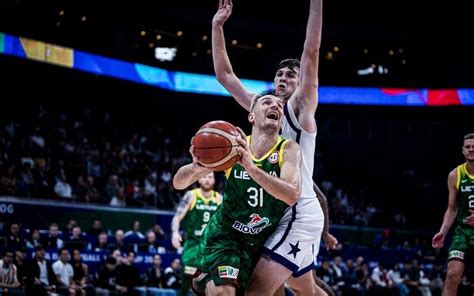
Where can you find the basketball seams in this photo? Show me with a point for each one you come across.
(220, 132)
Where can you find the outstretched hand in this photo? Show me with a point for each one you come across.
(330, 241)
(176, 240)
(438, 240)
(223, 12)
(197, 166)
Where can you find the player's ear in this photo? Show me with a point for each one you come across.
(251, 117)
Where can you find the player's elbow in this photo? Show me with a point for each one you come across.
(178, 184)
(311, 50)
(223, 78)
(293, 197)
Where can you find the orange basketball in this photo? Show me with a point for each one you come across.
(215, 145)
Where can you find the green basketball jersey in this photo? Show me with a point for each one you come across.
(465, 186)
(248, 213)
(199, 214)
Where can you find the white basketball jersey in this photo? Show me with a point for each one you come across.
(292, 130)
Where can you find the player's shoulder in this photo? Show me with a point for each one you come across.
(291, 147)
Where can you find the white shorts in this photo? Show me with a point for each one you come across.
(295, 242)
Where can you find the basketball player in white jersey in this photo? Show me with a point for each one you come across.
(289, 253)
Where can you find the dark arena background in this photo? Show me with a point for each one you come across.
(100, 99)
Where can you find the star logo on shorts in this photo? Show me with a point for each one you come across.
(294, 249)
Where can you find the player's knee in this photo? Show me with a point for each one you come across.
(453, 276)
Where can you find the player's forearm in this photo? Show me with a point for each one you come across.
(324, 205)
(314, 27)
(174, 225)
(279, 188)
(187, 175)
(448, 220)
(222, 65)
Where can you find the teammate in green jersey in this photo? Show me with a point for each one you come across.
(258, 189)
(460, 211)
(193, 213)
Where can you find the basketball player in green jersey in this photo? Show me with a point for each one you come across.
(461, 212)
(193, 213)
(258, 189)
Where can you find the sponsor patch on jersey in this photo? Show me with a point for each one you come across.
(190, 270)
(228, 272)
(456, 254)
(273, 158)
(255, 226)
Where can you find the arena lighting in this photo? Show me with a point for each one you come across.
(367, 71)
(39, 51)
(165, 54)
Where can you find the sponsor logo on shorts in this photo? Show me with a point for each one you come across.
(273, 158)
(228, 272)
(456, 254)
(255, 226)
(190, 270)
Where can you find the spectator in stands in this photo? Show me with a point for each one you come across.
(81, 273)
(325, 273)
(154, 275)
(64, 275)
(115, 192)
(85, 190)
(14, 240)
(395, 276)
(134, 235)
(118, 242)
(102, 244)
(96, 228)
(76, 240)
(8, 182)
(106, 277)
(41, 278)
(25, 181)
(171, 276)
(67, 231)
(34, 240)
(152, 245)
(52, 240)
(159, 232)
(382, 283)
(21, 266)
(9, 283)
(62, 188)
(128, 275)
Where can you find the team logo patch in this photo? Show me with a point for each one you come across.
(190, 270)
(228, 272)
(255, 226)
(456, 254)
(273, 158)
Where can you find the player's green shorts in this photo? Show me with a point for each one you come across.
(463, 241)
(190, 256)
(224, 259)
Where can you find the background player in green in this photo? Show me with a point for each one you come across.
(258, 190)
(193, 213)
(460, 211)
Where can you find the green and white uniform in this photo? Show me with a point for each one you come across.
(463, 238)
(233, 240)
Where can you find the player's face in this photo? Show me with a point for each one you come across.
(468, 150)
(207, 182)
(285, 82)
(268, 112)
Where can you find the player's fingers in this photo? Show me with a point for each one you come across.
(241, 132)
(220, 4)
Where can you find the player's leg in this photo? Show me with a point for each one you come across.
(453, 277)
(190, 259)
(305, 285)
(267, 277)
(222, 290)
